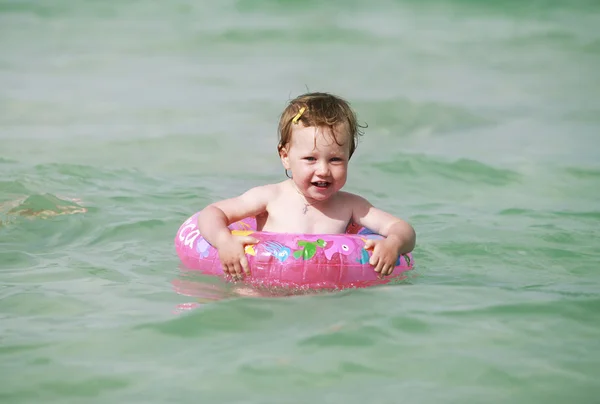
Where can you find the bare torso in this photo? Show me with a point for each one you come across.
(286, 213)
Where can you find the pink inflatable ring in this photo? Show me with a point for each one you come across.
(306, 261)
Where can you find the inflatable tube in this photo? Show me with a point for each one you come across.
(306, 261)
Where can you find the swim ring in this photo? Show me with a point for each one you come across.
(306, 261)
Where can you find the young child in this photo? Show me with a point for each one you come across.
(318, 133)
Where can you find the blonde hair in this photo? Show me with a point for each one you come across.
(318, 109)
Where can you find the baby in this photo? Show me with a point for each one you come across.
(318, 134)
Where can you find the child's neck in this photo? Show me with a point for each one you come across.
(308, 202)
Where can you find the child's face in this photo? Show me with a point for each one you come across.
(318, 163)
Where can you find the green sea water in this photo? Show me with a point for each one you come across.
(119, 119)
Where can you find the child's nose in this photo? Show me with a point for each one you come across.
(322, 168)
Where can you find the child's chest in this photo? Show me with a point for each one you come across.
(299, 217)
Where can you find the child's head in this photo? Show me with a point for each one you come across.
(321, 110)
(317, 136)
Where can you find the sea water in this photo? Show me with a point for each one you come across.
(120, 119)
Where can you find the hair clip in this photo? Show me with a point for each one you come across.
(298, 115)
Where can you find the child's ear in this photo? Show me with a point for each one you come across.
(285, 160)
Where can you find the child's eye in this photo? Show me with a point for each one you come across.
(309, 158)
(336, 159)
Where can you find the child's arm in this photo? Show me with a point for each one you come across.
(214, 219)
(400, 237)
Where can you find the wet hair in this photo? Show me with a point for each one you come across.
(320, 110)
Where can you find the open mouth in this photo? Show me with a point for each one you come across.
(321, 184)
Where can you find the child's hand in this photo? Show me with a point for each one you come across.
(232, 255)
(385, 255)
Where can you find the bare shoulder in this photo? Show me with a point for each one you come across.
(263, 192)
(356, 202)
(252, 202)
(365, 214)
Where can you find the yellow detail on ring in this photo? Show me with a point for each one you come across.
(249, 249)
(298, 115)
(242, 232)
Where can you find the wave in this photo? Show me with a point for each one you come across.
(536, 213)
(10, 189)
(405, 116)
(583, 173)
(460, 171)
